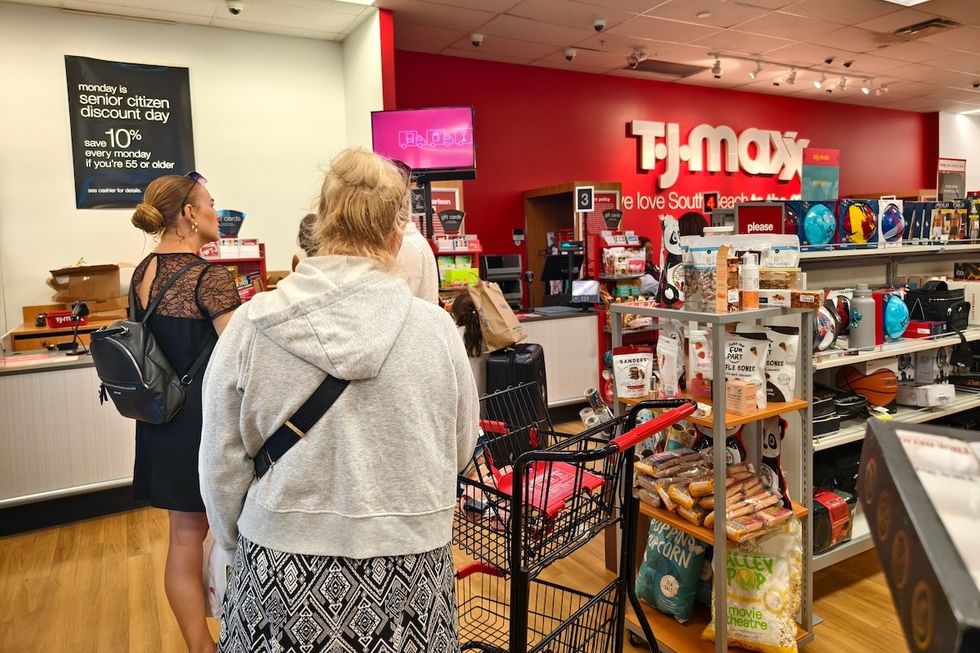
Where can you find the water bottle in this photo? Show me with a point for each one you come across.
(862, 319)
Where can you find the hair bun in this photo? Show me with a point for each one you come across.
(148, 218)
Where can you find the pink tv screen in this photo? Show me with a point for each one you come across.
(426, 139)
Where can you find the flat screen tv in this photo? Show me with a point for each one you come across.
(426, 139)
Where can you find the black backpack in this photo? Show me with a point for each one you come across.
(134, 371)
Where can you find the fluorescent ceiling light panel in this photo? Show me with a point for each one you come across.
(368, 3)
(906, 3)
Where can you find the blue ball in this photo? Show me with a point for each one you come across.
(892, 223)
(819, 225)
(896, 316)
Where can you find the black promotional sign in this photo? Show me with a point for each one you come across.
(451, 220)
(130, 123)
(612, 218)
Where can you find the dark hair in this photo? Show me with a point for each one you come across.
(691, 223)
(161, 205)
(466, 316)
(307, 235)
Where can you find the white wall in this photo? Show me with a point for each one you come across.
(269, 113)
(959, 138)
(362, 61)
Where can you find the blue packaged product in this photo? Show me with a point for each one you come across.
(670, 574)
(818, 224)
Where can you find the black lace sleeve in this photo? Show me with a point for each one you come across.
(216, 292)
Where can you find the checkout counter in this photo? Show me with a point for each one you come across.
(571, 351)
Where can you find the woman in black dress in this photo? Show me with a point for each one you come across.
(191, 315)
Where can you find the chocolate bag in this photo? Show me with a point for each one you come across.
(498, 323)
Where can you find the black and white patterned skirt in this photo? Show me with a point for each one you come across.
(284, 602)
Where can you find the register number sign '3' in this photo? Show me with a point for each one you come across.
(755, 151)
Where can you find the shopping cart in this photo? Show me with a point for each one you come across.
(531, 496)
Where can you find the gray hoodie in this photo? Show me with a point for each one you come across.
(376, 475)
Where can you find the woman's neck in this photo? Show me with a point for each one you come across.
(170, 243)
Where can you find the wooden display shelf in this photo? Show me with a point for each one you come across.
(676, 637)
(30, 338)
(699, 532)
(773, 409)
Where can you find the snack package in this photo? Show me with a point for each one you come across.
(705, 587)
(668, 365)
(764, 582)
(771, 469)
(670, 573)
(632, 370)
(784, 345)
(746, 361)
(704, 440)
(699, 363)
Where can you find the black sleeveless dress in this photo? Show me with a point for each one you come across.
(166, 470)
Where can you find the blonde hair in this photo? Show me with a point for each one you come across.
(363, 202)
(161, 203)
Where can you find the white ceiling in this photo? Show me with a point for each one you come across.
(932, 73)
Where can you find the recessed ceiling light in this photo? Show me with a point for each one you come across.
(754, 74)
(817, 83)
(971, 112)
(866, 87)
(906, 3)
(703, 14)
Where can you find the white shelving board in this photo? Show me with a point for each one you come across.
(837, 358)
(889, 252)
(859, 543)
(965, 400)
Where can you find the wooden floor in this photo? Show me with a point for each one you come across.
(97, 586)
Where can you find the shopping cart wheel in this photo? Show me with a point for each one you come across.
(483, 648)
(635, 640)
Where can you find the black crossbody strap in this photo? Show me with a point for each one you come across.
(166, 286)
(201, 359)
(297, 426)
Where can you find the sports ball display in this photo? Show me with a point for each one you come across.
(880, 387)
(892, 223)
(896, 317)
(791, 220)
(859, 223)
(819, 225)
(825, 326)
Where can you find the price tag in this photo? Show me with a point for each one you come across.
(585, 198)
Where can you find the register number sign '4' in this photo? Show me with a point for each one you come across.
(775, 153)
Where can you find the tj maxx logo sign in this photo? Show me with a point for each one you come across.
(774, 152)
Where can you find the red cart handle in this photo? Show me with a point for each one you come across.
(643, 431)
(478, 568)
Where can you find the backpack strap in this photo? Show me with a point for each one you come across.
(297, 426)
(201, 359)
(166, 286)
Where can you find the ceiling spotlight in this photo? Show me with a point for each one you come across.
(716, 69)
(842, 84)
(638, 55)
(818, 83)
(866, 87)
(753, 74)
(883, 88)
(877, 92)
(792, 77)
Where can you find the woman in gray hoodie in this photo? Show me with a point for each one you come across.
(343, 543)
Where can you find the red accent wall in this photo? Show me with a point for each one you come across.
(388, 89)
(538, 126)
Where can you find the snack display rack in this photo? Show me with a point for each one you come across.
(532, 496)
(672, 635)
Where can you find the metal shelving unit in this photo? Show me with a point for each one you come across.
(892, 256)
(719, 418)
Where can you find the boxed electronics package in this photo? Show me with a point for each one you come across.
(918, 488)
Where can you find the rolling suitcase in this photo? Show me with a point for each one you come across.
(522, 363)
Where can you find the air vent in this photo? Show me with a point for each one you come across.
(666, 68)
(926, 28)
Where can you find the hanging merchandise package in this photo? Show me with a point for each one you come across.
(746, 361)
(670, 574)
(784, 345)
(771, 469)
(632, 370)
(699, 362)
(764, 582)
(668, 365)
(734, 445)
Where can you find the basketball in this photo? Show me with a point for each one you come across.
(880, 387)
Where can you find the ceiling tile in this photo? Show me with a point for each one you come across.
(737, 42)
(963, 96)
(962, 38)
(472, 53)
(140, 12)
(266, 28)
(896, 20)
(586, 59)
(810, 54)
(768, 4)
(658, 29)
(42, 3)
(847, 12)
(958, 60)
(854, 39)
(512, 48)
(189, 7)
(631, 6)
(557, 61)
(639, 74)
(493, 6)
(424, 13)
(869, 63)
(914, 72)
(425, 38)
(523, 29)
(727, 14)
(911, 51)
(788, 26)
(730, 78)
(322, 5)
(570, 14)
(964, 11)
(291, 16)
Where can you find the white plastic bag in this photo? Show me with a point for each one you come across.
(218, 567)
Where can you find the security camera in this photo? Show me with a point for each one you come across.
(570, 54)
(848, 64)
(599, 24)
(775, 82)
(716, 69)
(828, 60)
(476, 40)
(235, 7)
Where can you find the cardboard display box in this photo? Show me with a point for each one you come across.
(909, 485)
(89, 282)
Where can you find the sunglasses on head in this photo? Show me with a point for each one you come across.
(197, 178)
(404, 168)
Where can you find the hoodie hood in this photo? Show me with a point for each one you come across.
(342, 314)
